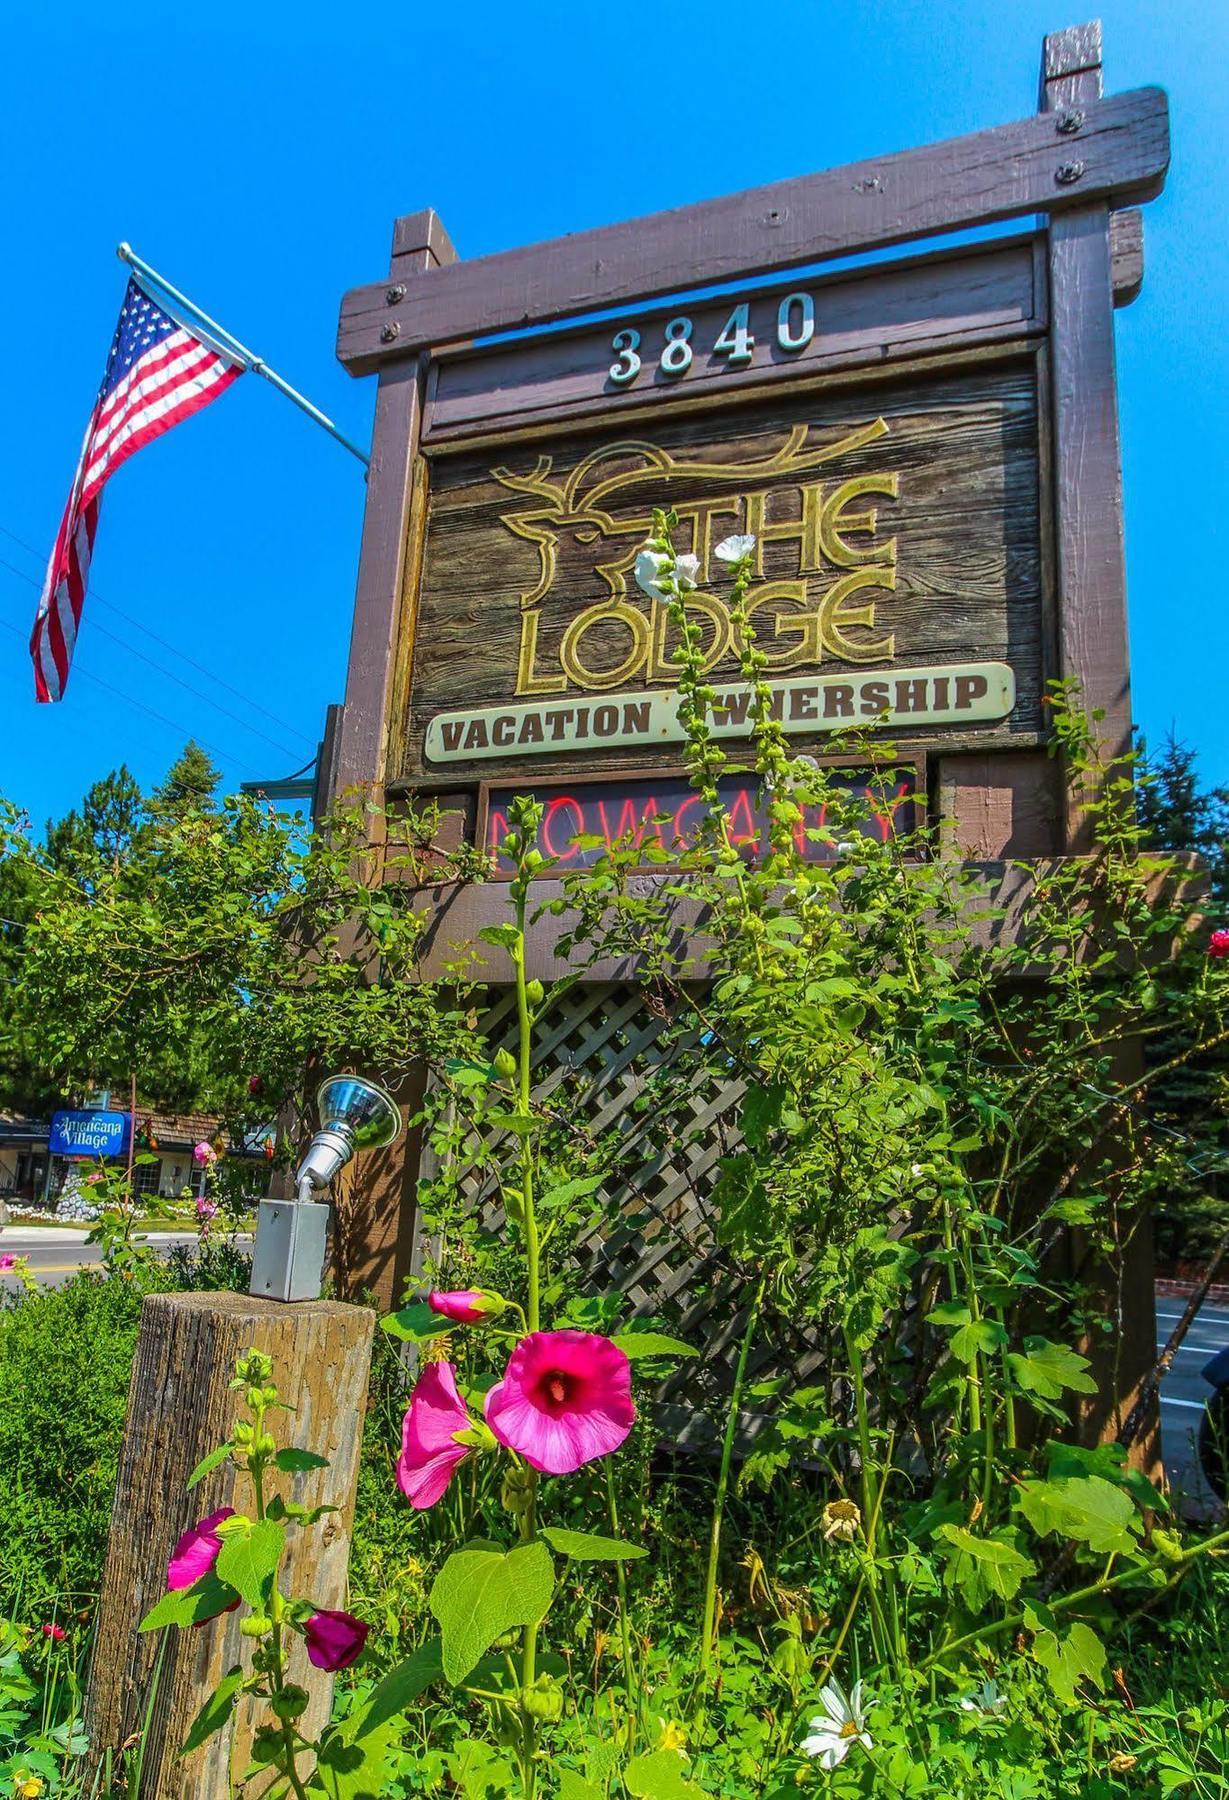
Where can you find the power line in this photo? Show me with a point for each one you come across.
(201, 668)
(167, 674)
(175, 725)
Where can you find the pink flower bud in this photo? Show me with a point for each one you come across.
(334, 1639)
(56, 1633)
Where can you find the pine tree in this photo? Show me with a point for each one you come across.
(112, 817)
(189, 785)
(1178, 814)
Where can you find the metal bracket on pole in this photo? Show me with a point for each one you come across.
(230, 346)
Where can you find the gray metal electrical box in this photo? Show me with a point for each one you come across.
(288, 1261)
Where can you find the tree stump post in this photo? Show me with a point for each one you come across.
(180, 1406)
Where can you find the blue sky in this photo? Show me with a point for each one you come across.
(259, 155)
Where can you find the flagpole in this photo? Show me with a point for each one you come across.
(230, 343)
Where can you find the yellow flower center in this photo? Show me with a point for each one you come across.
(849, 1729)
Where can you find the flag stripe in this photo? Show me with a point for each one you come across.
(158, 372)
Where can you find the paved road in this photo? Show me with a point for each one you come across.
(1184, 1394)
(56, 1254)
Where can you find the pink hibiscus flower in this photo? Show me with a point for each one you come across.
(7, 1262)
(1218, 943)
(204, 1153)
(197, 1550)
(465, 1305)
(334, 1639)
(566, 1398)
(429, 1450)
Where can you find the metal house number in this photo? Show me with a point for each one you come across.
(794, 331)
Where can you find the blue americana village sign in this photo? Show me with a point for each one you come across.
(89, 1133)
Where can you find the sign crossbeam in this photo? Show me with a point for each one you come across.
(1114, 150)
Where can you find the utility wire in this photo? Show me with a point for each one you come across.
(176, 725)
(166, 673)
(93, 594)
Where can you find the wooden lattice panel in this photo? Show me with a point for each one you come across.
(606, 1059)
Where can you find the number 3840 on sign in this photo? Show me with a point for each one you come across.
(795, 327)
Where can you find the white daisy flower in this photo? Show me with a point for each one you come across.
(653, 565)
(987, 1700)
(834, 1731)
(733, 549)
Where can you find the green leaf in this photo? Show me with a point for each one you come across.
(296, 1462)
(660, 1777)
(950, 1313)
(190, 1606)
(1046, 1369)
(1083, 1507)
(208, 1463)
(413, 1323)
(1078, 1655)
(482, 1592)
(583, 1546)
(979, 1335)
(983, 1566)
(575, 1787)
(354, 1771)
(249, 1559)
(636, 1344)
(744, 1214)
(216, 1712)
(398, 1690)
(480, 1771)
(761, 1113)
(570, 1190)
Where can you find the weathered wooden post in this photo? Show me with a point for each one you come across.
(179, 1406)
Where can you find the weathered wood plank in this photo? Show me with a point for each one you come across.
(419, 243)
(1091, 562)
(1119, 152)
(1127, 254)
(924, 305)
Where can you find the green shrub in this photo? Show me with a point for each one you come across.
(65, 1360)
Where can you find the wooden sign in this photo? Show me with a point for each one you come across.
(897, 564)
(582, 820)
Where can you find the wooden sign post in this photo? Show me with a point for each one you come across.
(926, 451)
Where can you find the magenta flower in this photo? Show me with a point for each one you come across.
(1218, 943)
(56, 1633)
(467, 1306)
(7, 1262)
(197, 1550)
(566, 1398)
(206, 1209)
(205, 1153)
(334, 1639)
(429, 1449)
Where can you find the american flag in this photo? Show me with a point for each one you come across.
(158, 373)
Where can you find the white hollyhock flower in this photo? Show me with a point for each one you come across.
(986, 1700)
(834, 1731)
(653, 565)
(733, 549)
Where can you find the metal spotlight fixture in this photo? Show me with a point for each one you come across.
(288, 1261)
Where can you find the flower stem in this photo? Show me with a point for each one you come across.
(625, 1630)
(533, 1307)
(707, 1630)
